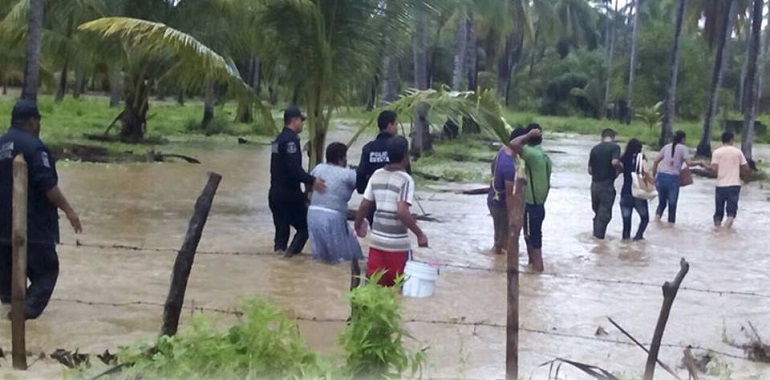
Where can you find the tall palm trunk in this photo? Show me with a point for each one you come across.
(752, 91)
(472, 67)
(504, 68)
(113, 77)
(634, 48)
(251, 74)
(209, 97)
(461, 49)
(34, 45)
(723, 48)
(611, 35)
(744, 68)
(80, 80)
(421, 140)
(62, 89)
(670, 111)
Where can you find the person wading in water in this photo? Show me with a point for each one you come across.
(374, 155)
(604, 166)
(44, 200)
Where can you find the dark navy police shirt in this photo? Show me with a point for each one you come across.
(286, 172)
(42, 214)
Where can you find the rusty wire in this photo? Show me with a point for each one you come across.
(450, 265)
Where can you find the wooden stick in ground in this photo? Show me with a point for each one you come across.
(19, 269)
(627, 334)
(186, 256)
(515, 205)
(355, 274)
(669, 294)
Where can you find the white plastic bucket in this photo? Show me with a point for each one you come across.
(420, 279)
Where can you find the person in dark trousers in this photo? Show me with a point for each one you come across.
(286, 199)
(374, 155)
(728, 164)
(634, 161)
(538, 170)
(44, 199)
(604, 166)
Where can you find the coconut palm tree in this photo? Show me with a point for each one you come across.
(670, 108)
(152, 50)
(634, 43)
(34, 47)
(752, 90)
(724, 9)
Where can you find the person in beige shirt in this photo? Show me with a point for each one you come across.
(728, 162)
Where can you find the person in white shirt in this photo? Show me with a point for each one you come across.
(728, 162)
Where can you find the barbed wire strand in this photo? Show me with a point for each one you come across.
(486, 324)
(450, 265)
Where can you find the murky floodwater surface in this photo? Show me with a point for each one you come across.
(107, 297)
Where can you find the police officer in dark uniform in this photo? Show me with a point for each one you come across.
(374, 155)
(287, 201)
(44, 200)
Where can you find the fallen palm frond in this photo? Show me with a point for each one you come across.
(593, 371)
(481, 107)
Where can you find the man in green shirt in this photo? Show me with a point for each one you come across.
(604, 166)
(537, 165)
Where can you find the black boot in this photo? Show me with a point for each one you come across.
(297, 244)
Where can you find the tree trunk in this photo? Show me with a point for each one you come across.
(250, 73)
(504, 68)
(611, 36)
(634, 49)
(79, 81)
(371, 96)
(134, 119)
(34, 45)
(752, 91)
(670, 111)
(421, 140)
(472, 67)
(723, 48)
(115, 81)
(389, 76)
(461, 49)
(208, 103)
(745, 66)
(62, 83)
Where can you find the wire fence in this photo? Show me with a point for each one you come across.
(565, 276)
(484, 324)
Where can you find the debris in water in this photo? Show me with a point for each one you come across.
(756, 350)
(69, 359)
(108, 358)
(600, 331)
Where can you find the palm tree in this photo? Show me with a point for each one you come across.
(634, 53)
(150, 51)
(461, 50)
(421, 140)
(725, 11)
(752, 90)
(34, 47)
(670, 108)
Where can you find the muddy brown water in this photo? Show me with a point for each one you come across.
(108, 297)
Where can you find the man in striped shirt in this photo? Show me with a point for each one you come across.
(392, 189)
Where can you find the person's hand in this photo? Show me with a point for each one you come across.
(422, 241)
(74, 221)
(534, 133)
(319, 185)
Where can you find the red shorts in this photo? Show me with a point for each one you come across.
(392, 263)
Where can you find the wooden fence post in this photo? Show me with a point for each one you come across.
(515, 205)
(186, 256)
(19, 269)
(669, 294)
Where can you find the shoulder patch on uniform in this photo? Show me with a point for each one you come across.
(44, 159)
(291, 147)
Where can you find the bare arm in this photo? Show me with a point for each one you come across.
(363, 211)
(655, 165)
(406, 217)
(56, 197)
(517, 144)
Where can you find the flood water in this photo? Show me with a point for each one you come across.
(108, 297)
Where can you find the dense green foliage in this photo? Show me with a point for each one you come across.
(266, 344)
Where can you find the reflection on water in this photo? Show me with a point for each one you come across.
(148, 205)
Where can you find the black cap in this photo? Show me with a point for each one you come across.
(23, 110)
(292, 112)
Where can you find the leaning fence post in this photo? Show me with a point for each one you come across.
(19, 268)
(669, 294)
(515, 205)
(186, 256)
